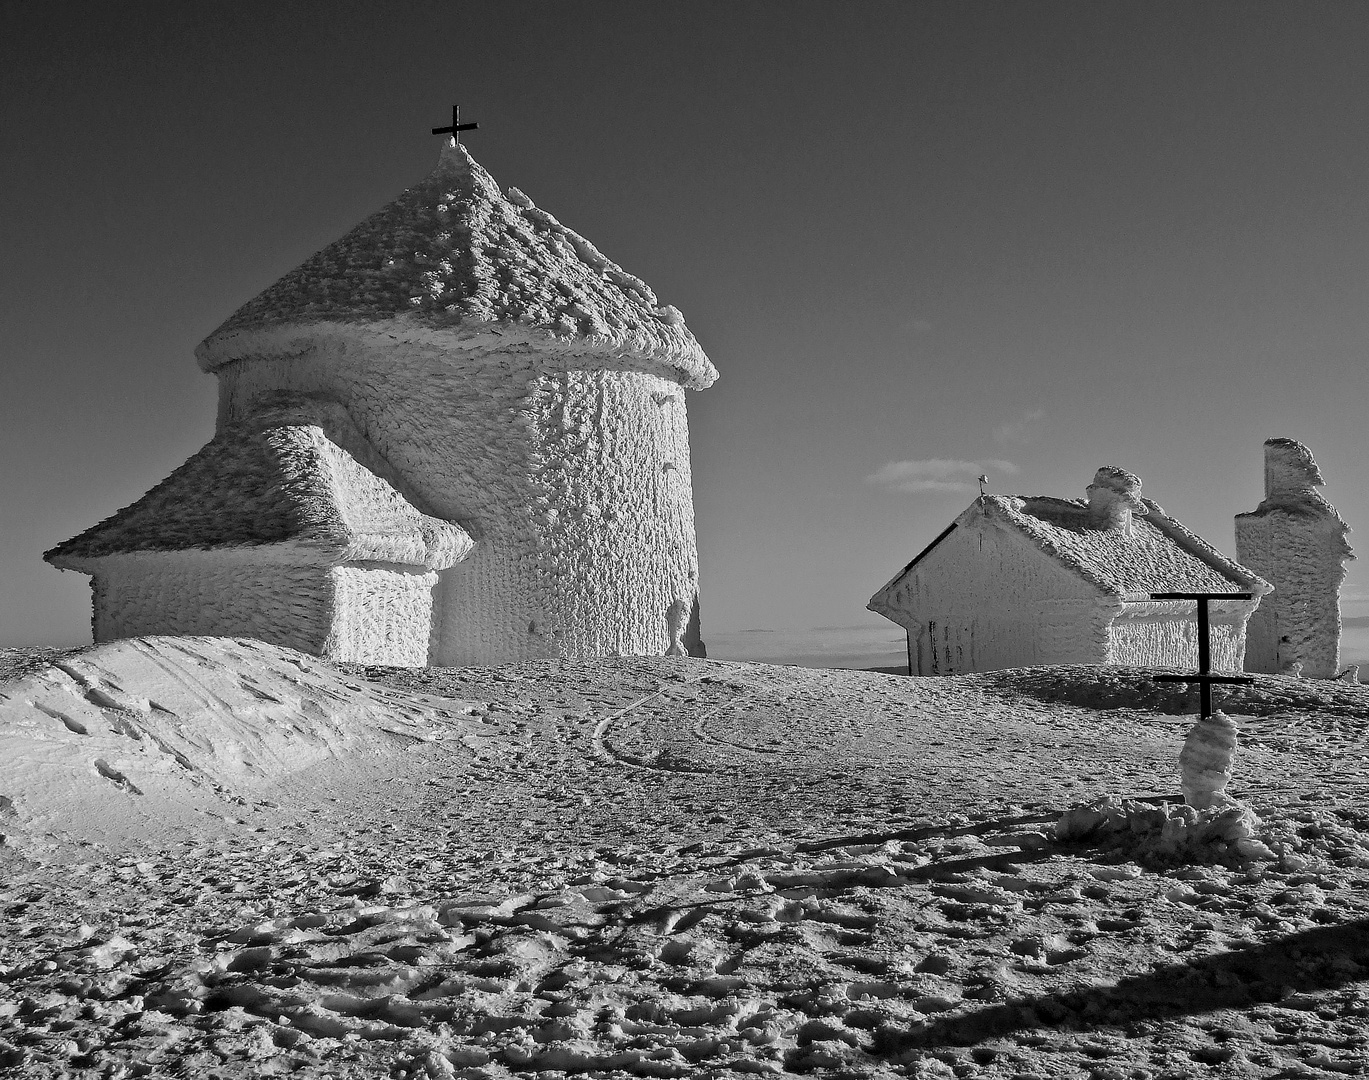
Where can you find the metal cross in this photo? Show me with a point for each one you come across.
(1204, 677)
(457, 126)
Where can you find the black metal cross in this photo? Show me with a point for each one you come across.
(457, 126)
(1204, 677)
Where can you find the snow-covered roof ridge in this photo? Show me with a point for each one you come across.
(278, 479)
(1156, 554)
(454, 261)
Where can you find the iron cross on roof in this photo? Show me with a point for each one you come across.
(1203, 676)
(457, 126)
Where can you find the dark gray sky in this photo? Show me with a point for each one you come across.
(917, 239)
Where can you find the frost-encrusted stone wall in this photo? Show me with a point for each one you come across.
(382, 615)
(1296, 540)
(985, 598)
(223, 594)
(364, 613)
(574, 482)
(1166, 635)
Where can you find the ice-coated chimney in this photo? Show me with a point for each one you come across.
(1289, 470)
(1114, 496)
(1294, 539)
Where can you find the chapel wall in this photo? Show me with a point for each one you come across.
(616, 513)
(458, 436)
(1171, 641)
(382, 615)
(209, 593)
(574, 484)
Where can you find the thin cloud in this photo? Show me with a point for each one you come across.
(1022, 430)
(936, 474)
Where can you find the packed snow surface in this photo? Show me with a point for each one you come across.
(667, 867)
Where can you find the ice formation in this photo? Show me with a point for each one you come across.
(1113, 498)
(1023, 580)
(1206, 759)
(517, 386)
(1295, 539)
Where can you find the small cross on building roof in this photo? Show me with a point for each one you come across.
(457, 126)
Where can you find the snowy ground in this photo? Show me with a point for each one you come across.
(224, 859)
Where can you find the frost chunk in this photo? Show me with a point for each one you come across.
(589, 254)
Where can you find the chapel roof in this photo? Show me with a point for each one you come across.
(277, 480)
(1156, 554)
(454, 260)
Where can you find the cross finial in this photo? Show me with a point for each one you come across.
(457, 126)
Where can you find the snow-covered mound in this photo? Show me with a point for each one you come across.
(162, 729)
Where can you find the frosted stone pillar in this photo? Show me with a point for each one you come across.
(1294, 539)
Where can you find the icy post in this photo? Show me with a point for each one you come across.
(1205, 761)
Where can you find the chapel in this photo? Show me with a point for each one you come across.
(457, 435)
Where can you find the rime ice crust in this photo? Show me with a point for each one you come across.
(1297, 540)
(454, 264)
(1022, 580)
(1113, 498)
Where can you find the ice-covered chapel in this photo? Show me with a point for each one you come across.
(1016, 581)
(457, 435)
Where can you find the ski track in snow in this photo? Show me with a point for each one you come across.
(682, 868)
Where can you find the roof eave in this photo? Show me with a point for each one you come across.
(415, 548)
(291, 552)
(668, 351)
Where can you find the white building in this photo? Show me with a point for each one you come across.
(1016, 581)
(514, 382)
(1295, 539)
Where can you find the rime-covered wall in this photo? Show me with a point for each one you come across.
(363, 613)
(1296, 540)
(382, 615)
(1298, 623)
(985, 598)
(1166, 635)
(213, 593)
(574, 482)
